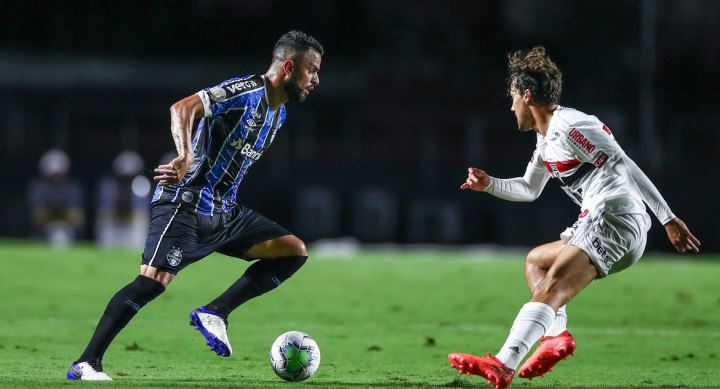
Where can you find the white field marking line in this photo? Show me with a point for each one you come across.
(602, 331)
(607, 331)
(420, 257)
(329, 249)
(610, 331)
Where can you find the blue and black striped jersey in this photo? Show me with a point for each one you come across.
(239, 125)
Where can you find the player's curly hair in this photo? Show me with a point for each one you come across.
(295, 42)
(533, 70)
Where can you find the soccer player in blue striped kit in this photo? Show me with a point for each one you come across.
(194, 209)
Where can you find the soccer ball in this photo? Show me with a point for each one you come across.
(295, 356)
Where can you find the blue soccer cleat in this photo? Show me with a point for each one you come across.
(214, 328)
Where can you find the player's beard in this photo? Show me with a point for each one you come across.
(523, 128)
(525, 124)
(294, 92)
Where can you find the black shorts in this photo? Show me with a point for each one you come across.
(178, 236)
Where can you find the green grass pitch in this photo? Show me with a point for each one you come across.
(382, 319)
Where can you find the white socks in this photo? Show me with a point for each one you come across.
(531, 323)
(559, 324)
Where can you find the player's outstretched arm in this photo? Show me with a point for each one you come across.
(182, 117)
(526, 188)
(681, 237)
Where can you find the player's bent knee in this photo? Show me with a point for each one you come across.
(156, 274)
(540, 257)
(135, 295)
(294, 246)
(284, 246)
(533, 257)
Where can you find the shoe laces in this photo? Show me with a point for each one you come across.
(216, 322)
(213, 312)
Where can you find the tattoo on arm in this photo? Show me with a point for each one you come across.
(181, 122)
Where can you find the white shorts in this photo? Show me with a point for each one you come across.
(613, 242)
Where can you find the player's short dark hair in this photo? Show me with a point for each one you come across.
(533, 70)
(295, 42)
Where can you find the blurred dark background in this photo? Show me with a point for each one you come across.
(411, 94)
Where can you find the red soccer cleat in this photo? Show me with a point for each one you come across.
(552, 349)
(485, 366)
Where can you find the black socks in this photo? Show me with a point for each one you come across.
(118, 313)
(261, 277)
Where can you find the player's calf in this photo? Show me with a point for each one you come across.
(121, 308)
(261, 277)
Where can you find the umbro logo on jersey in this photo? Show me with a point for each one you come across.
(255, 121)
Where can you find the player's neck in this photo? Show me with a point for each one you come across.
(276, 95)
(542, 115)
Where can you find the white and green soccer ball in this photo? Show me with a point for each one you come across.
(295, 356)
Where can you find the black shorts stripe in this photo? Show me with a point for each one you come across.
(163, 234)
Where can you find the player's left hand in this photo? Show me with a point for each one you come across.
(681, 237)
(173, 172)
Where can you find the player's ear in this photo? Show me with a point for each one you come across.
(289, 67)
(527, 96)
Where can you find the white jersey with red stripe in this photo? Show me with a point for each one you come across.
(582, 154)
(579, 151)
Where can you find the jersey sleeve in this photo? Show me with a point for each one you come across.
(650, 193)
(594, 143)
(227, 95)
(526, 188)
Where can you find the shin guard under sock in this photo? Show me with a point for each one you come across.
(120, 310)
(531, 323)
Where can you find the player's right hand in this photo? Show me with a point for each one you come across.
(477, 180)
(681, 237)
(173, 172)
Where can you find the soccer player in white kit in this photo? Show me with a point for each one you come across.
(580, 152)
